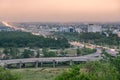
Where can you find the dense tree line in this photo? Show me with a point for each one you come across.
(15, 53)
(100, 38)
(24, 39)
(97, 38)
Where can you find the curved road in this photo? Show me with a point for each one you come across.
(91, 57)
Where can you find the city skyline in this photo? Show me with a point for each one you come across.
(60, 10)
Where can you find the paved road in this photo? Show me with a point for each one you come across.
(91, 57)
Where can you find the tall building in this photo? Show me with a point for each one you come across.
(94, 28)
(71, 29)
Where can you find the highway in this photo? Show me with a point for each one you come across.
(57, 59)
(54, 60)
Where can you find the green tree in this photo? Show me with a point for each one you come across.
(116, 62)
(51, 54)
(38, 54)
(11, 53)
(119, 53)
(71, 74)
(105, 55)
(25, 39)
(14, 52)
(6, 51)
(45, 52)
(28, 54)
(79, 52)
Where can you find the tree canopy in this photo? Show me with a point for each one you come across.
(24, 39)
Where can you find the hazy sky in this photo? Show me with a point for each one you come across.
(60, 10)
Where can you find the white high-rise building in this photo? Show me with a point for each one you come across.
(94, 28)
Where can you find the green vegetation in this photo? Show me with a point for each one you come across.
(16, 53)
(106, 69)
(116, 63)
(90, 71)
(8, 75)
(39, 73)
(94, 38)
(76, 52)
(11, 53)
(27, 54)
(47, 53)
(24, 39)
(85, 51)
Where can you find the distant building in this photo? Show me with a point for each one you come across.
(94, 28)
(63, 29)
(71, 29)
(116, 31)
(53, 30)
(78, 30)
(118, 34)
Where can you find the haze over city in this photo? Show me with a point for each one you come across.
(60, 10)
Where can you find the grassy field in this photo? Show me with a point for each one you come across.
(70, 51)
(39, 73)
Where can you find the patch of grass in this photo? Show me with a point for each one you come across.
(1, 49)
(70, 51)
(39, 73)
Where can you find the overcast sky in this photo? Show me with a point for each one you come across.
(60, 10)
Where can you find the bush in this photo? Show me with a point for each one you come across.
(7, 75)
(90, 71)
